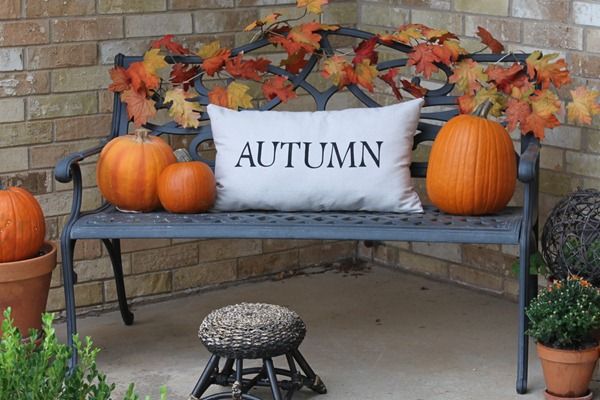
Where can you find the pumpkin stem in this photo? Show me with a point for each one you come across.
(483, 109)
(182, 155)
(141, 134)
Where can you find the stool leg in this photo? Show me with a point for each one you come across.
(206, 378)
(237, 388)
(317, 384)
(272, 379)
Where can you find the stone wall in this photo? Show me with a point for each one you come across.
(571, 154)
(54, 61)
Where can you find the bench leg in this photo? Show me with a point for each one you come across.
(525, 294)
(114, 250)
(67, 248)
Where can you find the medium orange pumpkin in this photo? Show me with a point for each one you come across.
(472, 166)
(22, 225)
(187, 186)
(128, 170)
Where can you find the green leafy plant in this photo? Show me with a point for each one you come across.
(37, 368)
(565, 314)
(537, 266)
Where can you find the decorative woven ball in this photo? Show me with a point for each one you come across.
(252, 330)
(571, 237)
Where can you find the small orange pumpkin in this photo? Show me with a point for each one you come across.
(472, 166)
(22, 225)
(128, 170)
(187, 186)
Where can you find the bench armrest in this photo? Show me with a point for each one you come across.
(528, 162)
(62, 171)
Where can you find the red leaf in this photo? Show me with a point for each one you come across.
(120, 79)
(295, 62)
(139, 108)
(423, 58)
(366, 50)
(182, 74)
(415, 90)
(390, 78)
(168, 43)
(506, 78)
(213, 64)
(141, 78)
(246, 69)
(279, 86)
(486, 38)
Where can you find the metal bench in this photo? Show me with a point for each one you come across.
(514, 225)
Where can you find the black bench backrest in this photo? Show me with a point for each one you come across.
(428, 128)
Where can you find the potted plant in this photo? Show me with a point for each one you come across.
(562, 320)
(26, 261)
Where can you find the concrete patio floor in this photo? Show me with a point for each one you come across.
(372, 334)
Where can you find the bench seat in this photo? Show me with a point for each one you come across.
(430, 226)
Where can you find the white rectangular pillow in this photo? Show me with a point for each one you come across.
(353, 159)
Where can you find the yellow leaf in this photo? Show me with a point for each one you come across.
(336, 69)
(468, 76)
(237, 96)
(365, 74)
(497, 99)
(269, 19)
(153, 61)
(209, 49)
(584, 106)
(312, 6)
(185, 113)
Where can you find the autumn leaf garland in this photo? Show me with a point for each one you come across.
(521, 94)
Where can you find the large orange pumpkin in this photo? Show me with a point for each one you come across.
(187, 186)
(22, 225)
(128, 170)
(472, 166)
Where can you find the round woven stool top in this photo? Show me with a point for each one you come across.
(251, 330)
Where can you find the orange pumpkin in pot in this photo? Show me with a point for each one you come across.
(187, 186)
(472, 166)
(128, 170)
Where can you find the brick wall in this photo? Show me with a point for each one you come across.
(54, 61)
(571, 154)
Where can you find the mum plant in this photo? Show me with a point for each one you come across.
(523, 94)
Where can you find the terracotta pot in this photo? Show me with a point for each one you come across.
(24, 287)
(567, 372)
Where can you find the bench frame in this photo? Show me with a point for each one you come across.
(374, 226)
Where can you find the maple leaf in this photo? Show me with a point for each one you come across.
(517, 113)
(186, 113)
(312, 6)
(365, 73)
(544, 105)
(441, 36)
(305, 36)
(294, 62)
(120, 79)
(390, 78)
(139, 108)
(337, 69)
(466, 103)
(415, 90)
(182, 74)
(246, 69)
(218, 96)
(584, 105)
(545, 72)
(168, 43)
(213, 57)
(405, 33)
(423, 58)
(366, 50)
(468, 76)
(268, 20)
(506, 78)
(486, 38)
(279, 86)
(469, 102)
(455, 49)
(141, 78)
(153, 61)
(442, 54)
(237, 96)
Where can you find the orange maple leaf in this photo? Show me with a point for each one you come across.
(545, 72)
(544, 105)
(424, 59)
(312, 6)
(269, 19)
(366, 50)
(168, 43)
(338, 70)
(295, 62)
(141, 78)
(279, 86)
(466, 103)
(405, 33)
(455, 49)
(486, 38)
(506, 78)
(218, 96)
(468, 76)
(246, 69)
(584, 105)
(120, 79)
(517, 113)
(365, 73)
(213, 57)
(139, 108)
(234, 96)
(305, 35)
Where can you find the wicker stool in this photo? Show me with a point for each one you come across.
(254, 331)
